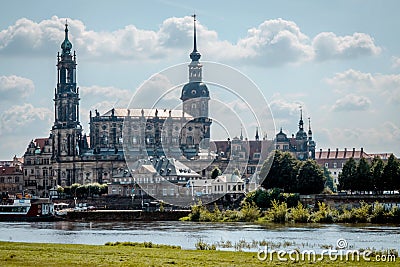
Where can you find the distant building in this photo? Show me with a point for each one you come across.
(334, 160)
(38, 175)
(302, 146)
(11, 179)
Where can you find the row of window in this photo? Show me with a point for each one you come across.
(37, 161)
(45, 172)
(9, 180)
(235, 188)
(333, 165)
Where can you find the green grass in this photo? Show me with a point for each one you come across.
(35, 254)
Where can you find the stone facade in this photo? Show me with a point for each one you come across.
(11, 177)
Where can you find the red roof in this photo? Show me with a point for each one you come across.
(341, 154)
(41, 142)
(9, 170)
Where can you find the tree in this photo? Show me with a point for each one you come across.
(377, 166)
(215, 173)
(282, 173)
(391, 174)
(310, 178)
(74, 188)
(348, 175)
(363, 181)
(329, 180)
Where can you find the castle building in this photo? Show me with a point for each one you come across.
(302, 146)
(69, 156)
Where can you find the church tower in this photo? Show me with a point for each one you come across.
(195, 96)
(66, 131)
(301, 140)
(311, 142)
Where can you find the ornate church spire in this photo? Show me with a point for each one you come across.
(195, 55)
(309, 129)
(301, 123)
(66, 45)
(195, 68)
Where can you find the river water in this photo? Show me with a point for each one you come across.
(187, 234)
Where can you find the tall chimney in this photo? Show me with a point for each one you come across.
(354, 151)
(320, 153)
(329, 152)
(345, 152)
(337, 152)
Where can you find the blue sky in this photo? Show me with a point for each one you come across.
(340, 60)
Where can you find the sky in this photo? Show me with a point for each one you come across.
(338, 60)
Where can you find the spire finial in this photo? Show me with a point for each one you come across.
(301, 112)
(195, 56)
(241, 133)
(257, 136)
(309, 126)
(301, 123)
(194, 30)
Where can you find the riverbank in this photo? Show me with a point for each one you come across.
(30, 254)
(125, 215)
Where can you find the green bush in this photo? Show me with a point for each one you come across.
(278, 212)
(249, 212)
(299, 213)
(324, 214)
(346, 215)
(362, 214)
(378, 213)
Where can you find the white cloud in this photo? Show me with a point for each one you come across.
(25, 119)
(276, 42)
(14, 87)
(106, 92)
(273, 42)
(282, 107)
(395, 62)
(382, 138)
(353, 80)
(329, 46)
(351, 103)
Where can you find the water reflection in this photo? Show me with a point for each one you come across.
(186, 234)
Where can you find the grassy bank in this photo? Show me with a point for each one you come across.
(32, 254)
(279, 212)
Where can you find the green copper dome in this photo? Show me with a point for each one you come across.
(66, 45)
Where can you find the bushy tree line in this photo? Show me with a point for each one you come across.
(292, 175)
(264, 198)
(376, 176)
(281, 212)
(83, 191)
